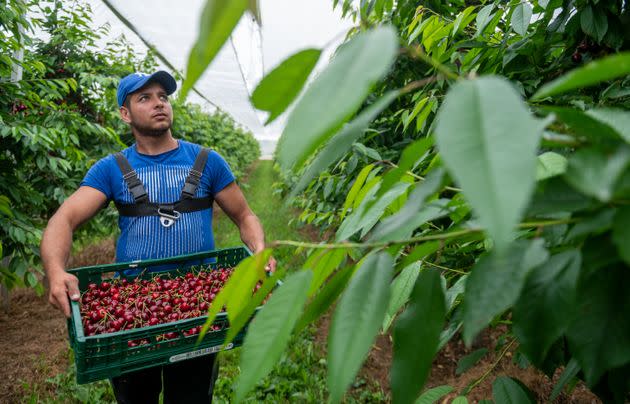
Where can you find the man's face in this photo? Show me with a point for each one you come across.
(148, 110)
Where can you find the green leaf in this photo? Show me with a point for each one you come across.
(270, 330)
(521, 17)
(556, 196)
(340, 143)
(401, 289)
(455, 291)
(243, 280)
(616, 119)
(336, 94)
(483, 18)
(599, 334)
(549, 165)
(496, 281)
(551, 285)
(460, 400)
(367, 191)
(5, 206)
(490, 149)
(281, 86)
(608, 68)
(410, 155)
(594, 22)
(30, 279)
(409, 118)
(585, 124)
(323, 264)
(462, 20)
(237, 290)
(218, 19)
(570, 371)
(356, 321)
(415, 212)
(326, 296)
(621, 232)
(356, 187)
(507, 391)
(595, 173)
(596, 223)
(433, 395)
(364, 218)
(470, 360)
(416, 337)
(421, 251)
(238, 322)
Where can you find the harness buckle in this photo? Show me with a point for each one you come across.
(167, 219)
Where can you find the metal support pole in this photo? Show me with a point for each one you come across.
(18, 54)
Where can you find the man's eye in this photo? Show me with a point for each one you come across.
(164, 98)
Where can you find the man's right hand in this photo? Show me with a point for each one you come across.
(57, 243)
(63, 285)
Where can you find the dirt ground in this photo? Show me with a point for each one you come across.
(34, 347)
(378, 363)
(34, 341)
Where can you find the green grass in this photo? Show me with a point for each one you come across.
(258, 191)
(299, 376)
(301, 373)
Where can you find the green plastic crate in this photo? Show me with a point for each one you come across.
(105, 356)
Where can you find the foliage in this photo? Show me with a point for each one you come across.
(217, 130)
(56, 121)
(61, 117)
(455, 173)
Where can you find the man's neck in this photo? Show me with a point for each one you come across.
(155, 145)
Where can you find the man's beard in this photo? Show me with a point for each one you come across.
(150, 132)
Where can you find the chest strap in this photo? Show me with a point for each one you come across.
(142, 206)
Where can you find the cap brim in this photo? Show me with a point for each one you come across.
(164, 78)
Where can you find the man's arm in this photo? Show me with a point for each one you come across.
(233, 203)
(57, 243)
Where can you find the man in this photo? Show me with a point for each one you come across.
(163, 188)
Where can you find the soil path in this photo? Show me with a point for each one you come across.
(34, 341)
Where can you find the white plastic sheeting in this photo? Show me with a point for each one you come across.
(172, 27)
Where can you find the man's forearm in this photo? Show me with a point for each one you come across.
(56, 245)
(252, 233)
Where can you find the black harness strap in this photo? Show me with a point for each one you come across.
(131, 178)
(192, 180)
(143, 207)
(151, 209)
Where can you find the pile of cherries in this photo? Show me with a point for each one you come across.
(123, 305)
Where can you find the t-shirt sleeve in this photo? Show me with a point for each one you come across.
(218, 170)
(99, 177)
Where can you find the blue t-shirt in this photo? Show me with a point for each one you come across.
(163, 177)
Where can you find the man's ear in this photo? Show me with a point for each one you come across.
(125, 114)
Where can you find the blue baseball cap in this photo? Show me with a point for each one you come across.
(135, 81)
